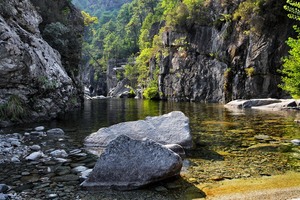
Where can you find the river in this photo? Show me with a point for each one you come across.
(229, 144)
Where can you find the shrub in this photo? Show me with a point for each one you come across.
(151, 93)
(14, 109)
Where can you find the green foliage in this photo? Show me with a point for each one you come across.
(88, 19)
(47, 84)
(250, 71)
(291, 63)
(247, 9)
(151, 92)
(14, 109)
(293, 8)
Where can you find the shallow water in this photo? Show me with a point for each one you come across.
(222, 139)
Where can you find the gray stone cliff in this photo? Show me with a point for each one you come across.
(34, 84)
(220, 59)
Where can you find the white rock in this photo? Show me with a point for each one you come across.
(35, 155)
(59, 153)
(39, 128)
(79, 169)
(85, 173)
(35, 147)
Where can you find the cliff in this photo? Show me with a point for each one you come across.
(34, 82)
(225, 55)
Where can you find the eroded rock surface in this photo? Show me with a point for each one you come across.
(32, 76)
(129, 164)
(171, 128)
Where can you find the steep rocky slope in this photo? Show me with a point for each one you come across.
(34, 84)
(223, 58)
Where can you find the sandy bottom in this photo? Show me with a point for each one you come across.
(281, 187)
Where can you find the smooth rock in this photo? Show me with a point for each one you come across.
(262, 137)
(35, 155)
(35, 147)
(3, 188)
(37, 133)
(171, 128)
(39, 128)
(79, 169)
(85, 173)
(3, 196)
(129, 164)
(296, 142)
(55, 132)
(59, 153)
(15, 159)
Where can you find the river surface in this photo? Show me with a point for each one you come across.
(229, 144)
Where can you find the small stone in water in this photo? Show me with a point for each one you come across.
(296, 142)
(35, 155)
(25, 173)
(79, 169)
(3, 196)
(52, 196)
(75, 151)
(35, 147)
(3, 188)
(59, 153)
(55, 132)
(85, 173)
(39, 128)
(26, 134)
(15, 159)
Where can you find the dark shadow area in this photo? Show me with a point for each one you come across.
(173, 188)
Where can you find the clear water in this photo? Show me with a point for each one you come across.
(221, 136)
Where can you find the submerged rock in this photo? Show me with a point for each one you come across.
(171, 128)
(55, 132)
(129, 164)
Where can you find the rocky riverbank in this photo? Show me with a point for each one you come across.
(50, 164)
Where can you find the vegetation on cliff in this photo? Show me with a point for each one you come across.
(140, 30)
(291, 66)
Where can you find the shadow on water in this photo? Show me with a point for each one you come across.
(173, 188)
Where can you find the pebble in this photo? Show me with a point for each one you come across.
(35, 147)
(296, 142)
(55, 132)
(35, 155)
(59, 153)
(85, 173)
(3, 196)
(3, 188)
(79, 169)
(52, 196)
(15, 159)
(39, 128)
(262, 137)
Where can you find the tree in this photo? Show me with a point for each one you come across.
(291, 63)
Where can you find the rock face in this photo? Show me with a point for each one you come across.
(32, 77)
(171, 128)
(129, 164)
(224, 59)
(62, 28)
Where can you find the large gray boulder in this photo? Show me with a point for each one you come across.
(171, 128)
(129, 164)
